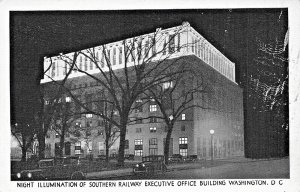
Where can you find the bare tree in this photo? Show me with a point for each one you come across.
(176, 95)
(24, 134)
(49, 97)
(142, 65)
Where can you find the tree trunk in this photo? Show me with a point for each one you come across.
(107, 147)
(24, 150)
(42, 144)
(166, 147)
(122, 146)
(61, 144)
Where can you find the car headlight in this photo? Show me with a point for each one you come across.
(19, 175)
(137, 165)
(143, 165)
(29, 175)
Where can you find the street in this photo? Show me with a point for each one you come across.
(260, 169)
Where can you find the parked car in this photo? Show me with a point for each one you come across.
(190, 158)
(54, 169)
(150, 164)
(175, 158)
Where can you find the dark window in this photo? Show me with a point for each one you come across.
(138, 130)
(178, 42)
(138, 121)
(182, 127)
(153, 120)
(91, 65)
(53, 69)
(171, 44)
(120, 55)
(85, 63)
(153, 146)
(153, 46)
(114, 56)
(126, 144)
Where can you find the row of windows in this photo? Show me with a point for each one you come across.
(136, 52)
(154, 129)
(217, 61)
(153, 146)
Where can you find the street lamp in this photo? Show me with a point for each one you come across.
(211, 144)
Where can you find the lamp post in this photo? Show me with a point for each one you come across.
(211, 145)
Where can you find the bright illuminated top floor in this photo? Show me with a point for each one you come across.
(168, 43)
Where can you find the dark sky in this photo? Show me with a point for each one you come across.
(34, 35)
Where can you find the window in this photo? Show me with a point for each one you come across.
(182, 116)
(153, 108)
(65, 69)
(138, 106)
(77, 148)
(91, 65)
(138, 130)
(153, 146)
(167, 85)
(183, 140)
(114, 56)
(152, 129)
(138, 121)
(171, 44)
(153, 46)
(89, 115)
(183, 146)
(53, 69)
(164, 48)
(108, 56)
(146, 50)
(182, 127)
(85, 63)
(120, 55)
(138, 142)
(153, 120)
(68, 99)
(178, 42)
(183, 152)
(126, 144)
(138, 147)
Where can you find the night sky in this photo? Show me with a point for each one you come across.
(34, 35)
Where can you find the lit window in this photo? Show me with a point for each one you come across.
(167, 85)
(183, 152)
(68, 99)
(138, 142)
(138, 147)
(153, 108)
(77, 148)
(152, 129)
(183, 116)
(183, 140)
(89, 115)
(138, 152)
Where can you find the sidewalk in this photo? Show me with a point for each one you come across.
(175, 166)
